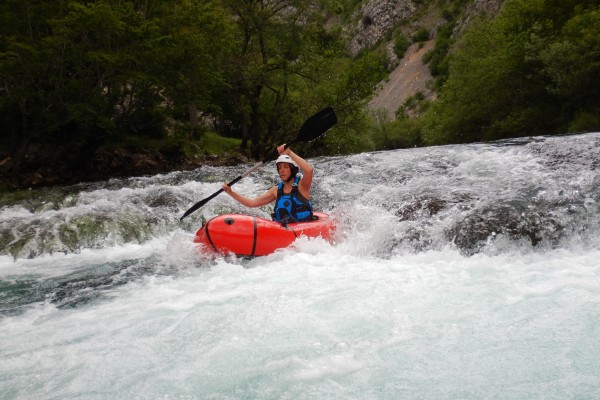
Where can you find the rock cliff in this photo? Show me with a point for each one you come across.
(375, 19)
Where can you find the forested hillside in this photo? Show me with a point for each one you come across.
(88, 86)
(78, 75)
(535, 69)
(531, 68)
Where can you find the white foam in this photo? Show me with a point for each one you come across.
(364, 317)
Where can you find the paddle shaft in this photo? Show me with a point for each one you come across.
(233, 182)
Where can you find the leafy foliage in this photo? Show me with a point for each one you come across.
(572, 63)
(401, 44)
(83, 73)
(533, 70)
(438, 56)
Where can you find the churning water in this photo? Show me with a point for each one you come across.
(458, 272)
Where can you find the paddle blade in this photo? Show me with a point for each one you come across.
(317, 125)
(312, 128)
(215, 194)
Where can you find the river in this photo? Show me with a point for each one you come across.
(457, 272)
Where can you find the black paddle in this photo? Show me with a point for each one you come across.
(314, 127)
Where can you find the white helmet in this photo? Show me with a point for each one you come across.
(286, 159)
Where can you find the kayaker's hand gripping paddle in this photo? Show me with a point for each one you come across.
(314, 127)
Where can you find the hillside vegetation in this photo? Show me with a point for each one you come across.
(80, 76)
(532, 69)
(85, 82)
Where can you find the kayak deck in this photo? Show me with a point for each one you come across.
(245, 235)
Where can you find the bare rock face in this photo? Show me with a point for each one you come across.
(375, 19)
(409, 78)
(378, 17)
(410, 75)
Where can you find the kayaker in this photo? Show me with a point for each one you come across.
(291, 195)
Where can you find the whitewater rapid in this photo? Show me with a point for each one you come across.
(458, 272)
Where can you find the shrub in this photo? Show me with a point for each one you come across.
(401, 45)
(421, 35)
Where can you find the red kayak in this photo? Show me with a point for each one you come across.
(245, 235)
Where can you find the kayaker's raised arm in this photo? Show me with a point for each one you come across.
(306, 168)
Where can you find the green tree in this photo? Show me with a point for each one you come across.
(83, 73)
(199, 38)
(270, 36)
(286, 66)
(87, 75)
(501, 81)
(28, 104)
(349, 85)
(573, 64)
(107, 66)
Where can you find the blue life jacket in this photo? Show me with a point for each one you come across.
(292, 207)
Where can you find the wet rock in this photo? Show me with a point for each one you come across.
(55, 165)
(420, 208)
(475, 231)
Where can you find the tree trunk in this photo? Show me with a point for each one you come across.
(193, 114)
(255, 129)
(20, 144)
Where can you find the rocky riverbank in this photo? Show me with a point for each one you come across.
(47, 166)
